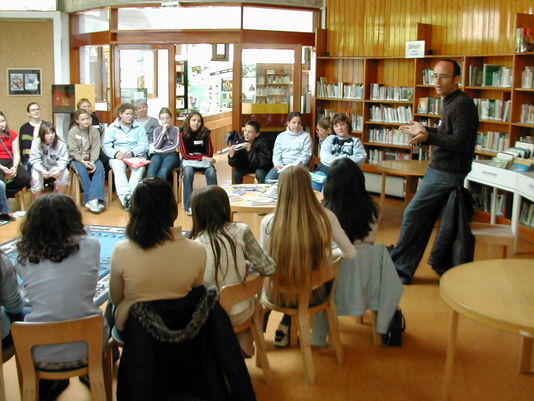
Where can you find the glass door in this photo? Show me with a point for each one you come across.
(144, 74)
(268, 86)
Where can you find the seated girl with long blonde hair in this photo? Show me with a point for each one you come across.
(298, 236)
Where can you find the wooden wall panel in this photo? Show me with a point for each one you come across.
(381, 27)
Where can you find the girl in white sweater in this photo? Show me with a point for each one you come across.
(232, 251)
(49, 159)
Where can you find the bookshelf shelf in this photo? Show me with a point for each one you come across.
(385, 123)
(387, 145)
(489, 88)
(523, 125)
(495, 122)
(384, 101)
(438, 116)
(524, 89)
(424, 86)
(485, 153)
(357, 132)
(339, 99)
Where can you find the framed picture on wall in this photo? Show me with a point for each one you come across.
(23, 81)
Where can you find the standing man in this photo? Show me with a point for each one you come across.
(455, 140)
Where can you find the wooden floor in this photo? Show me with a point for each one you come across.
(486, 367)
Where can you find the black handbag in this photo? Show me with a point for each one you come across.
(397, 325)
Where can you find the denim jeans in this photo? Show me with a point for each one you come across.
(189, 175)
(92, 184)
(238, 175)
(4, 206)
(420, 216)
(123, 186)
(272, 174)
(161, 165)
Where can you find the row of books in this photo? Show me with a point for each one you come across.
(429, 122)
(388, 136)
(493, 141)
(517, 158)
(428, 76)
(524, 40)
(377, 155)
(527, 78)
(339, 90)
(271, 90)
(527, 114)
(493, 109)
(385, 114)
(383, 92)
(273, 79)
(357, 120)
(497, 76)
(482, 198)
(430, 105)
(526, 215)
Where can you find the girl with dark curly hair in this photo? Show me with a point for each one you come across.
(59, 265)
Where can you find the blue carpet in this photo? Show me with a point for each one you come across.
(108, 237)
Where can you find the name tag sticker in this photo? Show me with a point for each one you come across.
(198, 142)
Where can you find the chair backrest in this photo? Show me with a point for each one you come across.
(235, 293)
(318, 277)
(90, 330)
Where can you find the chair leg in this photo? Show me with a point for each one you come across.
(108, 370)
(305, 346)
(333, 326)
(293, 332)
(97, 380)
(176, 186)
(377, 338)
(110, 187)
(261, 355)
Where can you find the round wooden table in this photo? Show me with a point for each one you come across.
(405, 168)
(498, 293)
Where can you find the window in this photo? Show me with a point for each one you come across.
(93, 21)
(275, 19)
(179, 18)
(94, 69)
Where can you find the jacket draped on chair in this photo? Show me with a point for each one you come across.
(182, 349)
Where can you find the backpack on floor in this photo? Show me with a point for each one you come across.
(397, 325)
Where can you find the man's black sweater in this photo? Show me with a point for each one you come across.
(456, 136)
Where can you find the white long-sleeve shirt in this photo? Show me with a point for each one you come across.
(291, 147)
(334, 147)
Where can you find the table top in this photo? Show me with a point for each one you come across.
(241, 202)
(496, 292)
(405, 167)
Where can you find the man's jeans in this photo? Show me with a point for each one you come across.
(420, 216)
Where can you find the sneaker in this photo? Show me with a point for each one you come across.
(127, 201)
(281, 336)
(188, 212)
(6, 217)
(404, 278)
(93, 206)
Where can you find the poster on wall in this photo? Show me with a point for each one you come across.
(23, 81)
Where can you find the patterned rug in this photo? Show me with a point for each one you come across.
(108, 237)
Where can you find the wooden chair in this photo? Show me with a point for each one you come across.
(4, 357)
(21, 198)
(301, 314)
(495, 234)
(235, 293)
(27, 335)
(76, 188)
